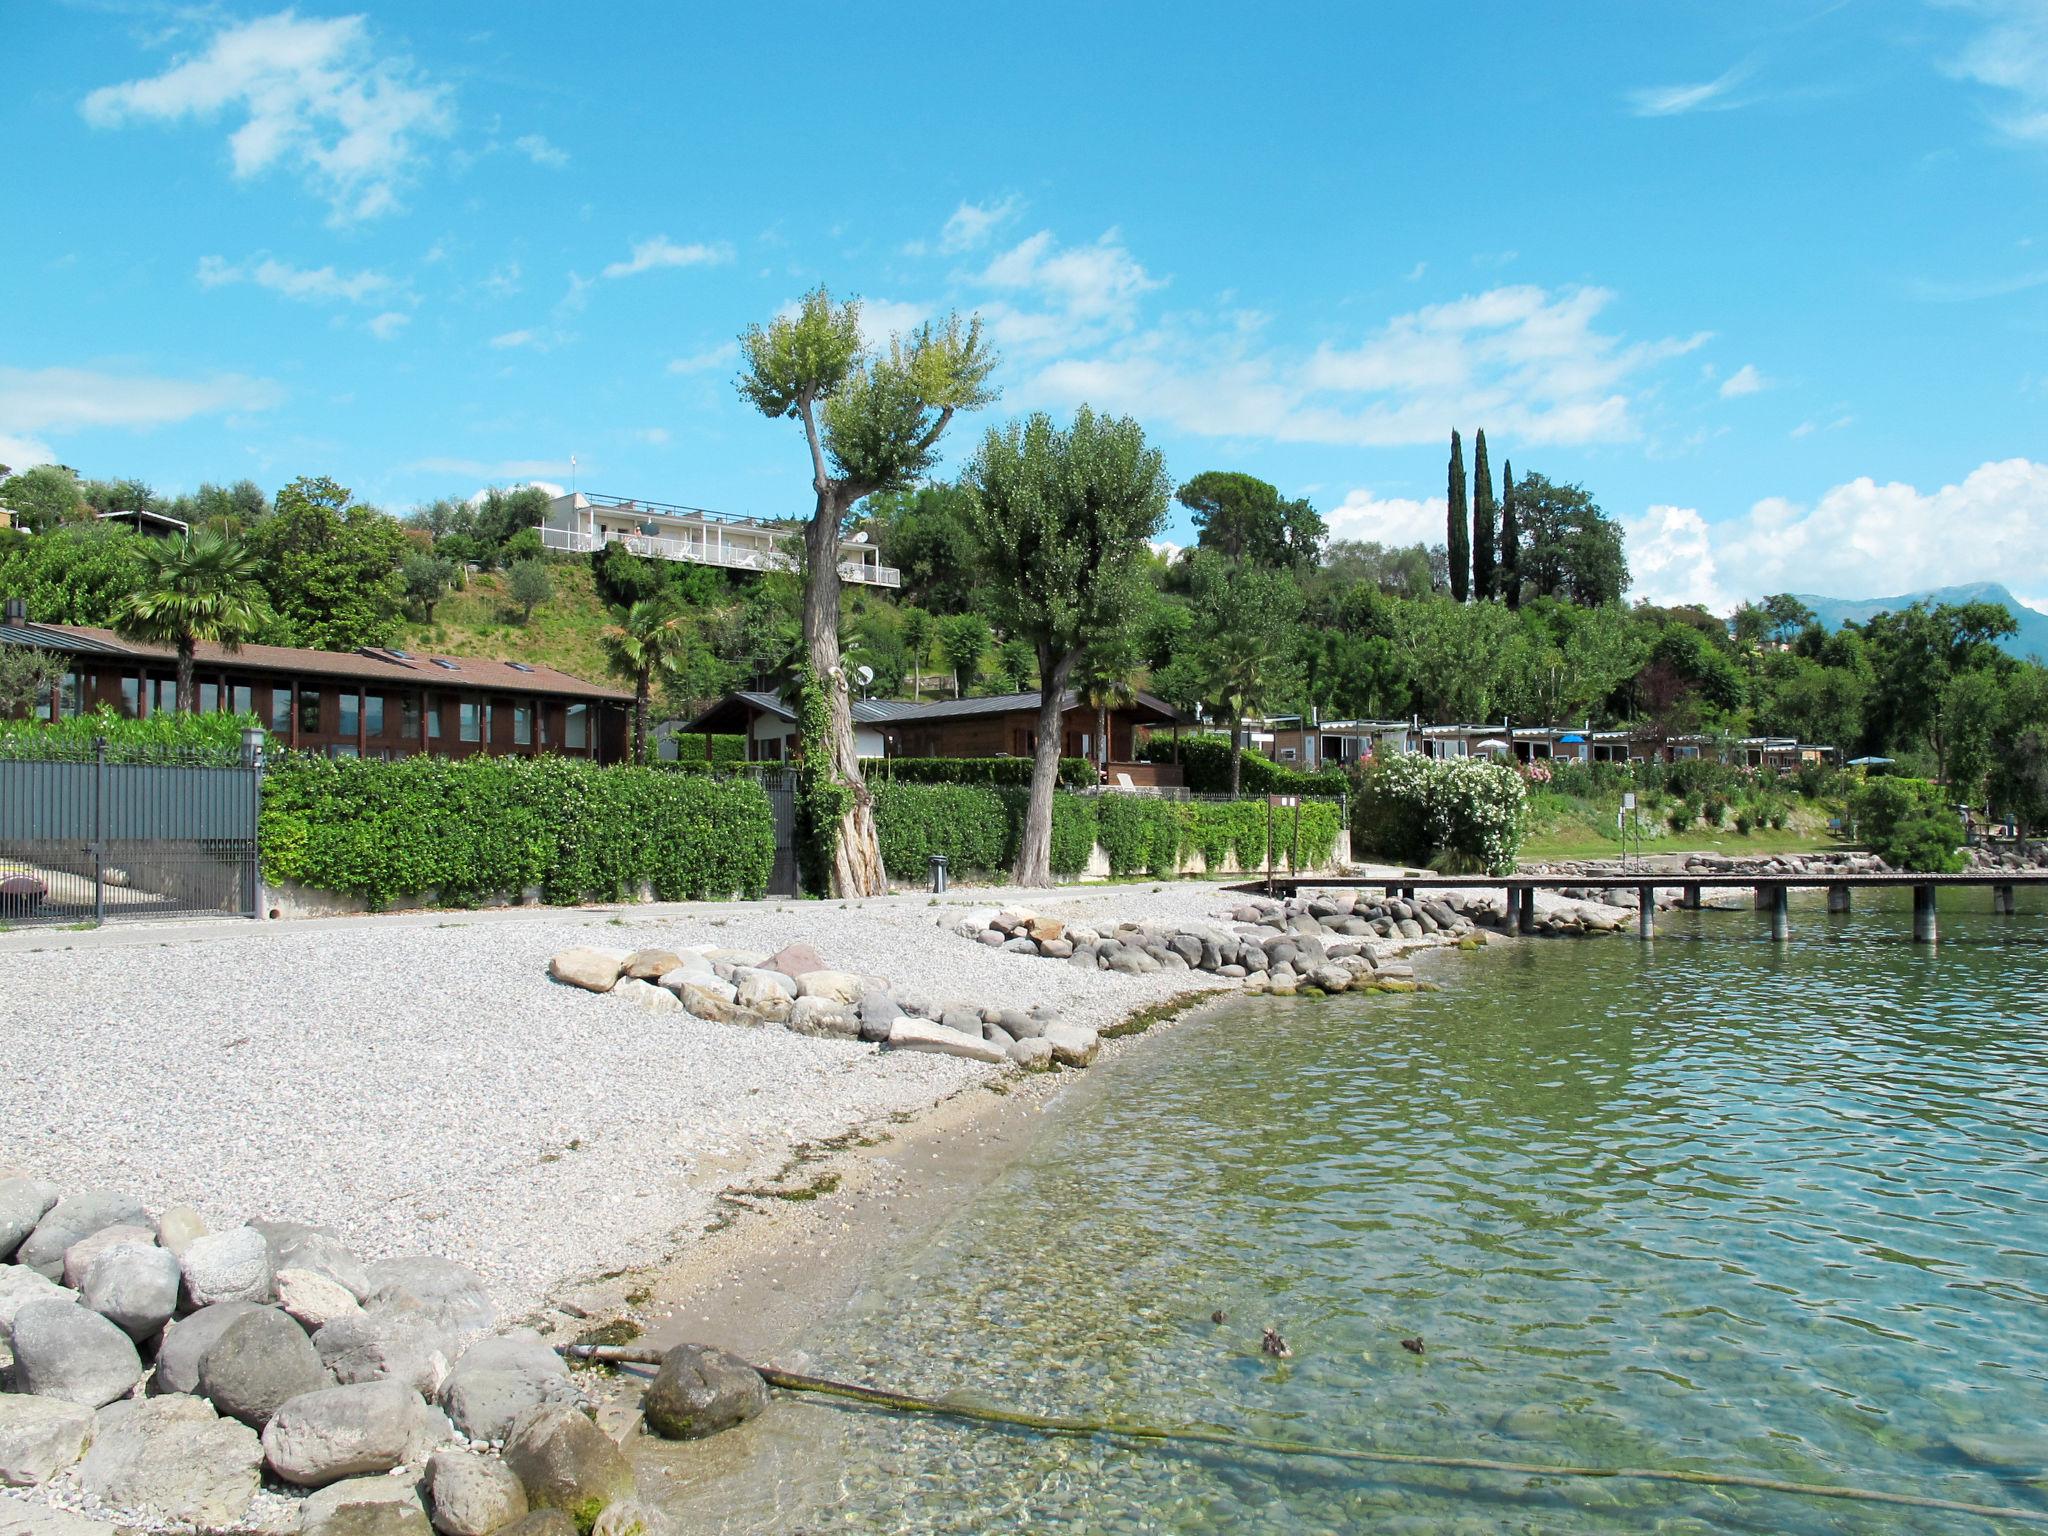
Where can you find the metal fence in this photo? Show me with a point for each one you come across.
(95, 839)
(779, 785)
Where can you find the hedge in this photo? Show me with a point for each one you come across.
(1075, 772)
(1205, 769)
(477, 827)
(977, 827)
(1142, 835)
(213, 737)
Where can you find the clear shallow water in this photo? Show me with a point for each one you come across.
(1707, 1204)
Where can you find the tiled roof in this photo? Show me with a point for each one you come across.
(370, 665)
(906, 712)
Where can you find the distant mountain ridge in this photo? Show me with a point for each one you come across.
(2032, 639)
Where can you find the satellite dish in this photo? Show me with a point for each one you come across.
(859, 538)
(865, 674)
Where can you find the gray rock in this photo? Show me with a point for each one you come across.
(320, 1437)
(1331, 978)
(1056, 949)
(70, 1219)
(1019, 1025)
(365, 1506)
(312, 1300)
(992, 937)
(63, 1351)
(1187, 946)
(134, 1287)
(40, 1437)
(995, 1034)
(20, 1285)
(1128, 962)
(20, 1517)
(594, 970)
(23, 1203)
(1072, 1044)
(768, 993)
(918, 1035)
(227, 1266)
(439, 1289)
(496, 1380)
(472, 1496)
(187, 1340)
(961, 1019)
(700, 1391)
(387, 1346)
(260, 1362)
(1033, 1055)
(174, 1457)
(878, 1010)
(78, 1258)
(543, 1522)
(564, 1461)
(294, 1245)
(1020, 946)
(1409, 928)
(178, 1228)
(836, 986)
(1234, 971)
(819, 1016)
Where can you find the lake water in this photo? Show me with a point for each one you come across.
(1709, 1203)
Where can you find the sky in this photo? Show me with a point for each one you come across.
(1769, 279)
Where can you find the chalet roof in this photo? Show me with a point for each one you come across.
(372, 664)
(728, 712)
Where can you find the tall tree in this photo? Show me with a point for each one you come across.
(330, 566)
(646, 644)
(1064, 515)
(917, 639)
(1570, 548)
(198, 589)
(1246, 616)
(872, 422)
(1106, 678)
(1510, 539)
(1485, 534)
(1244, 518)
(1460, 545)
(963, 642)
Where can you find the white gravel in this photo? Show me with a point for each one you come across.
(422, 1086)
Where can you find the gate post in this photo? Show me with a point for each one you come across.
(99, 831)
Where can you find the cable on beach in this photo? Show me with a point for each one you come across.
(1123, 1429)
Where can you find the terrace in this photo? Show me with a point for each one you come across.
(583, 522)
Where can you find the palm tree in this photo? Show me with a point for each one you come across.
(201, 588)
(649, 640)
(1105, 678)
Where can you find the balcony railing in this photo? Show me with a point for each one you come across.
(708, 552)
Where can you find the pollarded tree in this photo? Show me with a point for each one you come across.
(1455, 526)
(198, 589)
(1065, 516)
(872, 421)
(1485, 536)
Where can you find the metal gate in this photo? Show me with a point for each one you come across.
(780, 788)
(95, 839)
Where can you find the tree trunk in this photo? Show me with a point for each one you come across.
(188, 660)
(1236, 753)
(857, 858)
(641, 688)
(1102, 737)
(1034, 849)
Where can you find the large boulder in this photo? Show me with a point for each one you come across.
(822, 1017)
(594, 970)
(63, 1351)
(709, 998)
(700, 1391)
(918, 1035)
(471, 1495)
(833, 986)
(174, 1457)
(294, 1245)
(541, 1522)
(650, 964)
(227, 1266)
(320, 1437)
(646, 996)
(1073, 1045)
(312, 1299)
(186, 1341)
(388, 1346)
(70, 1219)
(365, 1506)
(23, 1203)
(40, 1437)
(497, 1380)
(768, 993)
(1033, 1054)
(878, 1010)
(178, 1228)
(78, 1258)
(794, 960)
(439, 1290)
(20, 1285)
(259, 1363)
(21, 1517)
(564, 1461)
(134, 1287)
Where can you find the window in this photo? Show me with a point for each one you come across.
(209, 698)
(131, 696)
(163, 695)
(433, 708)
(446, 665)
(309, 713)
(242, 699)
(576, 727)
(373, 713)
(1287, 754)
(281, 711)
(472, 720)
(522, 725)
(351, 712)
(341, 749)
(519, 666)
(409, 716)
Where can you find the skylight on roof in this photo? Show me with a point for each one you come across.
(401, 655)
(443, 662)
(519, 666)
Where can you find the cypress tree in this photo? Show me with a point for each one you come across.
(1510, 539)
(1460, 540)
(1485, 537)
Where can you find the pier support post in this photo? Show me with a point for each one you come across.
(2001, 900)
(1692, 897)
(1763, 898)
(1926, 929)
(1525, 920)
(1513, 912)
(1781, 914)
(1646, 911)
(1838, 898)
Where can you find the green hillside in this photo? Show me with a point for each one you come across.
(482, 621)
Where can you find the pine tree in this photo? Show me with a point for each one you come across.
(1510, 539)
(1485, 537)
(1460, 536)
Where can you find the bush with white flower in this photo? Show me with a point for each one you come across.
(1455, 815)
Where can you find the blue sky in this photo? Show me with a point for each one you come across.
(1770, 279)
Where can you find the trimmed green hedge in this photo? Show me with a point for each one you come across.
(216, 737)
(1075, 772)
(1141, 835)
(1205, 769)
(476, 827)
(977, 827)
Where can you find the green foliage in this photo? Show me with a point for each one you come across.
(1205, 769)
(76, 574)
(330, 567)
(1485, 532)
(927, 534)
(1075, 772)
(196, 590)
(1143, 835)
(1421, 810)
(43, 497)
(1569, 547)
(822, 797)
(426, 580)
(474, 828)
(497, 528)
(211, 737)
(977, 827)
(1458, 531)
(529, 585)
(1242, 517)
(1510, 573)
(1909, 824)
(28, 676)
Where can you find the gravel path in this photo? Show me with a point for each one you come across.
(421, 1085)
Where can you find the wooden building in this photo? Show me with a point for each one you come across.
(374, 702)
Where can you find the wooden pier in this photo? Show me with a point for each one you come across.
(1772, 891)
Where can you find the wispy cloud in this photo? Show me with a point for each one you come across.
(68, 399)
(1744, 381)
(308, 285)
(511, 340)
(315, 96)
(1675, 100)
(388, 324)
(1937, 292)
(536, 148)
(2010, 54)
(651, 255)
(710, 358)
(971, 224)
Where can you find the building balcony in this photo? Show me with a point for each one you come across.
(701, 539)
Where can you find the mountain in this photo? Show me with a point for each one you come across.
(2032, 639)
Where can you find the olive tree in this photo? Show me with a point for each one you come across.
(1064, 516)
(872, 419)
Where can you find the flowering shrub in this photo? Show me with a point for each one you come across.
(1459, 812)
(1536, 771)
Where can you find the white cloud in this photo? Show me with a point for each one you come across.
(653, 436)
(882, 318)
(537, 149)
(511, 339)
(972, 223)
(1675, 100)
(476, 497)
(1068, 295)
(388, 324)
(710, 358)
(649, 255)
(1395, 520)
(314, 96)
(311, 285)
(1859, 539)
(24, 452)
(1743, 381)
(68, 399)
(2010, 54)
(503, 281)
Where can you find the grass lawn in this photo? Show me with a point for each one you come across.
(482, 621)
(1582, 842)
